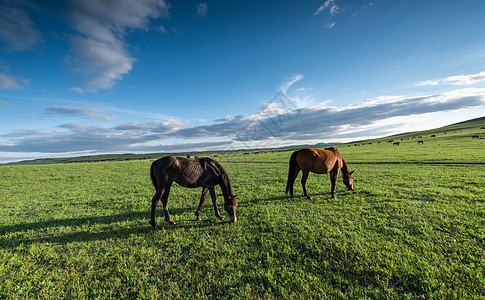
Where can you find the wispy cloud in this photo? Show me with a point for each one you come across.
(201, 9)
(8, 82)
(330, 6)
(99, 54)
(170, 125)
(72, 111)
(3, 102)
(370, 4)
(456, 80)
(77, 90)
(16, 28)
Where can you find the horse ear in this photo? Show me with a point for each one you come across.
(234, 197)
(352, 172)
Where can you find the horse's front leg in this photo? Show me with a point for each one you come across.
(214, 201)
(202, 198)
(333, 180)
(165, 202)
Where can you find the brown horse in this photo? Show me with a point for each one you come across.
(319, 161)
(191, 173)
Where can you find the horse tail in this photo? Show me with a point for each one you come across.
(293, 165)
(152, 174)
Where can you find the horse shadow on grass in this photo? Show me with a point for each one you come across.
(11, 236)
(323, 196)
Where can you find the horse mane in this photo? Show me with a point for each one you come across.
(345, 168)
(216, 167)
(332, 149)
(220, 171)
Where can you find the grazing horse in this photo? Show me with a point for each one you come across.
(319, 161)
(191, 173)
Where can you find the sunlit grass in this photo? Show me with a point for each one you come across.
(409, 230)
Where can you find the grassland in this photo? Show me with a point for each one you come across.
(413, 228)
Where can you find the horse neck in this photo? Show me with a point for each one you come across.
(226, 187)
(345, 167)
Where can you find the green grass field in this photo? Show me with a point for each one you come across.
(414, 227)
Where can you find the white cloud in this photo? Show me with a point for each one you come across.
(201, 9)
(466, 79)
(100, 57)
(427, 82)
(99, 64)
(330, 25)
(329, 5)
(456, 80)
(11, 83)
(286, 85)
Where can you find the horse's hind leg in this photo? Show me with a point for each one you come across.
(165, 201)
(292, 181)
(156, 198)
(214, 201)
(202, 198)
(303, 183)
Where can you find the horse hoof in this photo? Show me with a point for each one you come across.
(154, 225)
(220, 217)
(171, 222)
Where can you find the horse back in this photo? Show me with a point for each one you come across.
(319, 161)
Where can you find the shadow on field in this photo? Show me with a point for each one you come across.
(297, 198)
(104, 228)
(83, 233)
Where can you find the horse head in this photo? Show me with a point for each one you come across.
(349, 180)
(230, 204)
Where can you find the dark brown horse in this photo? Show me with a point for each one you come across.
(191, 173)
(318, 161)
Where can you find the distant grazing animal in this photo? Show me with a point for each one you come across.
(475, 137)
(191, 173)
(433, 135)
(390, 141)
(395, 143)
(420, 142)
(319, 161)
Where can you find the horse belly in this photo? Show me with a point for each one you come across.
(185, 183)
(321, 166)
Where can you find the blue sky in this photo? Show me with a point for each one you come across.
(121, 76)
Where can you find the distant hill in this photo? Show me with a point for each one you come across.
(461, 126)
